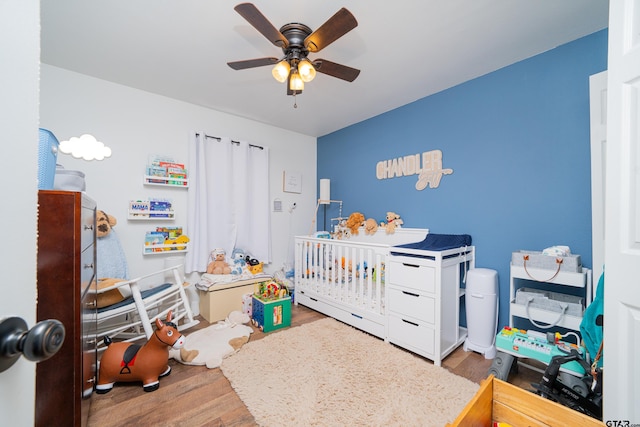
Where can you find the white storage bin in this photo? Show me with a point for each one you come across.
(69, 180)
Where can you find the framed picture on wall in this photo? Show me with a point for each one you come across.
(292, 182)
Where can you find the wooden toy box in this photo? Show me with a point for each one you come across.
(499, 401)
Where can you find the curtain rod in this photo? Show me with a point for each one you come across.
(232, 141)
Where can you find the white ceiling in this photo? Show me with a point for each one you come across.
(405, 49)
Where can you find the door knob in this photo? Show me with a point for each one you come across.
(36, 344)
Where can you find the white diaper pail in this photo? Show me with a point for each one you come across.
(481, 301)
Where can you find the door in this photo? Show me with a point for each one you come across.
(19, 27)
(622, 217)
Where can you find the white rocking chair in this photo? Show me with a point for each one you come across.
(132, 319)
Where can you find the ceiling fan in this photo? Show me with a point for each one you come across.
(297, 41)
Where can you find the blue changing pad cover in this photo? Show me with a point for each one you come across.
(439, 242)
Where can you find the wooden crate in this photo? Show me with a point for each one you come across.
(499, 401)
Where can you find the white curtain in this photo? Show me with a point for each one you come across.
(228, 201)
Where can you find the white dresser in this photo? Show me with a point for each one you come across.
(423, 301)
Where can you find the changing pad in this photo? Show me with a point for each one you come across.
(439, 242)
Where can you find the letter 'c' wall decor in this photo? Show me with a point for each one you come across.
(428, 167)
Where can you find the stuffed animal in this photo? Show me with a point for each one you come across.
(253, 265)
(370, 226)
(393, 222)
(255, 268)
(128, 362)
(354, 222)
(104, 223)
(210, 345)
(218, 264)
(239, 263)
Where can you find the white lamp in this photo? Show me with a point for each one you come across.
(325, 191)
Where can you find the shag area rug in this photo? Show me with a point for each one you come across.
(326, 373)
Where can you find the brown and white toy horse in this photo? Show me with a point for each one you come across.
(127, 362)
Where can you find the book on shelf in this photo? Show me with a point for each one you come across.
(152, 239)
(139, 208)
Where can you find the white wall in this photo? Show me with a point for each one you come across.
(136, 124)
(19, 62)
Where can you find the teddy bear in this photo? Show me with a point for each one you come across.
(104, 223)
(218, 264)
(354, 222)
(393, 222)
(370, 226)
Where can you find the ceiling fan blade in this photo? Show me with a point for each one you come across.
(252, 63)
(336, 70)
(335, 27)
(251, 13)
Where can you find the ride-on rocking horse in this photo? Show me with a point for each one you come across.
(127, 362)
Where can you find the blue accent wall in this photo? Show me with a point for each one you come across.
(518, 142)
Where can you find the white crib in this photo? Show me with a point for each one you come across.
(345, 279)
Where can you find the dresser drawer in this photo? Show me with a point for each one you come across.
(412, 304)
(87, 227)
(87, 268)
(415, 276)
(415, 336)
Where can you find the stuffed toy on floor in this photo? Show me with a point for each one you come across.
(210, 345)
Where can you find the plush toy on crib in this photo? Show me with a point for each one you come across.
(354, 222)
(393, 221)
(218, 264)
(370, 226)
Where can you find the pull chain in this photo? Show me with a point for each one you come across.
(295, 105)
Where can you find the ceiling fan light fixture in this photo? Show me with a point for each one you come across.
(281, 71)
(295, 82)
(306, 70)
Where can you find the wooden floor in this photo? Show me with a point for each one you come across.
(197, 396)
